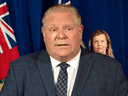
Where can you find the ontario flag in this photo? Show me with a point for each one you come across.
(8, 48)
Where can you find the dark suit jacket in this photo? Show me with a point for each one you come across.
(98, 75)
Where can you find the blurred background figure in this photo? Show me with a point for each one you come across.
(82, 44)
(100, 42)
(1, 85)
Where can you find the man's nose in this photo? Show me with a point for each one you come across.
(61, 35)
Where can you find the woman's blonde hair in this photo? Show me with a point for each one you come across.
(82, 44)
(109, 50)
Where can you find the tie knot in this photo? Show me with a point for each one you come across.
(63, 65)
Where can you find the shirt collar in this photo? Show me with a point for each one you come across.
(74, 62)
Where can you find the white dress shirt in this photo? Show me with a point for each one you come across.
(72, 71)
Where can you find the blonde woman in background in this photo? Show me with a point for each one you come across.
(100, 42)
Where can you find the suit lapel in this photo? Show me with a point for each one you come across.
(84, 69)
(45, 69)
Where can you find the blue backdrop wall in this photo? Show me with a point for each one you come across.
(108, 15)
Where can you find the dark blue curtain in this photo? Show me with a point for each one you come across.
(108, 15)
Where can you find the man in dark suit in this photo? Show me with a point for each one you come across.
(89, 73)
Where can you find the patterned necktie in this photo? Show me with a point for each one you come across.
(62, 82)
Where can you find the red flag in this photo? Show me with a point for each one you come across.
(8, 48)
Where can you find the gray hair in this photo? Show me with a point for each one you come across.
(63, 8)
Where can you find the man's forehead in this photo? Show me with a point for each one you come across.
(63, 25)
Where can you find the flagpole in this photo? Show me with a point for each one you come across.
(59, 1)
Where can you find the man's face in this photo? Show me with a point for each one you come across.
(62, 36)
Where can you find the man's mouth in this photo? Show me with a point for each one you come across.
(62, 45)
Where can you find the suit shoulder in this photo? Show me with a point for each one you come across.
(98, 58)
(104, 58)
(29, 58)
(28, 62)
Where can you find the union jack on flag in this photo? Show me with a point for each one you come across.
(8, 48)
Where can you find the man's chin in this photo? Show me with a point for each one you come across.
(63, 57)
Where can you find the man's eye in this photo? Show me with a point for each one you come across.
(68, 29)
(102, 41)
(53, 29)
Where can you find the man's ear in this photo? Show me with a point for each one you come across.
(42, 30)
(81, 30)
